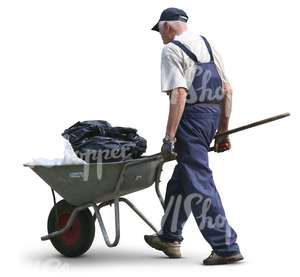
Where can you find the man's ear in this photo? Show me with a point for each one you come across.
(166, 27)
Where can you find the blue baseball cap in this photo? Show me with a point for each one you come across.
(171, 14)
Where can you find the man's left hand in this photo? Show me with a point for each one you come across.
(167, 149)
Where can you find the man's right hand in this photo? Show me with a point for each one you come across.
(222, 144)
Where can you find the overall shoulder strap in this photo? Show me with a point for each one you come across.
(186, 50)
(208, 48)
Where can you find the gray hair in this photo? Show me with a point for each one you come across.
(175, 24)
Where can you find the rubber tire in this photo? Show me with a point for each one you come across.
(86, 233)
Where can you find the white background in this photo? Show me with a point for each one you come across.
(64, 61)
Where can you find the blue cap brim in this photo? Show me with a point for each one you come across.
(156, 27)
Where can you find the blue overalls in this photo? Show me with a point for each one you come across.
(191, 187)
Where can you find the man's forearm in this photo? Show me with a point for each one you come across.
(177, 103)
(226, 107)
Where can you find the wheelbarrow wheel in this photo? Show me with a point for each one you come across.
(79, 238)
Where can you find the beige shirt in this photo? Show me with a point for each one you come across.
(177, 69)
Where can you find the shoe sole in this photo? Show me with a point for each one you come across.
(227, 261)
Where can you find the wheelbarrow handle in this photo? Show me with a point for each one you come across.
(251, 125)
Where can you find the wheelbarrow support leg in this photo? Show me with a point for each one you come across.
(117, 222)
(117, 218)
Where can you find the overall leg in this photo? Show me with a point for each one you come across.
(169, 238)
(175, 216)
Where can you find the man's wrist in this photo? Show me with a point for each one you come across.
(169, 138)
(222, 130)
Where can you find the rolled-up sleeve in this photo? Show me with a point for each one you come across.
(172, 74)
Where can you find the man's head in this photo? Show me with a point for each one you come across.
(172, 22)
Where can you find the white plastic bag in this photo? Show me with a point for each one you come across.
(69, 158)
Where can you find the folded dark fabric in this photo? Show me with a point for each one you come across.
(122, 133)
(97, 141)
(103, 149)
(86, 129)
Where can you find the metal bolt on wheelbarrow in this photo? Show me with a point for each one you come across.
(71, 226)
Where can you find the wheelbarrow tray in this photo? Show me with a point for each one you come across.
(100, 182)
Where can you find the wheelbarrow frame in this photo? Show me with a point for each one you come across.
(116, 201)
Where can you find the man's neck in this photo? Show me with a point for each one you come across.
(180, 32)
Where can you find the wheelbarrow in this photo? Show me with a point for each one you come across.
(71, 225)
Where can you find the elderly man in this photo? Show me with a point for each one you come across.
(200, 105)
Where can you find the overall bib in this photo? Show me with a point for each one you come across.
(191, 188)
